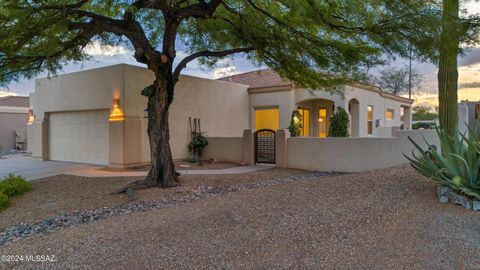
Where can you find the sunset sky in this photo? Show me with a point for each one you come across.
(469, 69)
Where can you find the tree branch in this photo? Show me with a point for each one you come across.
(219, 54)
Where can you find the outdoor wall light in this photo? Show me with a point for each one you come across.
(116, 114)
(31, 117)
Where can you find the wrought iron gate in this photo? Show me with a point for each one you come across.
(265, 146)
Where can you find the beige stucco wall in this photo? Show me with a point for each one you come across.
(283, 100)
(221, 106)
(229, 149)
(354, 154)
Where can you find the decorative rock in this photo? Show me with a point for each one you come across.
(476, 206)
(442, 192)
(459, 199)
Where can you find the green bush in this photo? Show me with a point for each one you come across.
(4, 202)
(456, 166)
(339, 123)
(196, 146)
(424, 125)
(14, 185)
(296, 124)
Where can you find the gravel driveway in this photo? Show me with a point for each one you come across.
(386, 219)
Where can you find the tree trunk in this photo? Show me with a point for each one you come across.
(447, 71)
(162, 172)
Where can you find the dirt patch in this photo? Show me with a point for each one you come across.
(179, 165)
(65, 193)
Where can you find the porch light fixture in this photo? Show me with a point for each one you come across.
(117, 113)
(31, 117)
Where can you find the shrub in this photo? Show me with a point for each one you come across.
(296, 124)
(423, 125)
(4, 202)
(196, 146)
(339, 124)
(456, 166)
(14, 185)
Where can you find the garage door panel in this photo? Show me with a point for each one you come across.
(79, 136)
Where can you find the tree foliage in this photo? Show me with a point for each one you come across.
(296, 38)
(423, 112)
(397, 80)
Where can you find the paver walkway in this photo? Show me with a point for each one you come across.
(94, 172)
(32, 169)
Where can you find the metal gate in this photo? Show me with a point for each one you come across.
(265, 146)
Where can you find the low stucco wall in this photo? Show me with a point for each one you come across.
(354, 154)
(228, 149)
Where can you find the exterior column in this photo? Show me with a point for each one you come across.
(281, 139)
(248, 147)
(407, 116)
(124, 142)
(39, 143)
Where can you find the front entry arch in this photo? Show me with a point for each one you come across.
(354, 109)
(265, 146)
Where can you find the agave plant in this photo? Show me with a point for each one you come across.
(456, 165)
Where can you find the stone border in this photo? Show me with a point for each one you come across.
(447, 194)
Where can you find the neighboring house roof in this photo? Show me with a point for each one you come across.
(264, 78)
(14, 101)
(269, 79)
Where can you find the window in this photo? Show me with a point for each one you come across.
(370, 120)
(390, 114)
(322, 123)
(266, 119)
(306, 122)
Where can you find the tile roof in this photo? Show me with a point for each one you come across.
(266, 78)
(263, 78)
(14, 101)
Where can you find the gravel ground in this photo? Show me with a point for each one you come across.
(64, 193)
(388, 219)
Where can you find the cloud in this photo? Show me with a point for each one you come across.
(4, 93)
(471, 57)
(224, 72)
(97, 49)
(469, 85)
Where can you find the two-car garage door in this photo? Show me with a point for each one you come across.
(80, 136)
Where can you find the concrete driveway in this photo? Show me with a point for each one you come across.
(31, 168)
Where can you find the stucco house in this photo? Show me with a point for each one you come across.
(272, 100)
(14, 111)
(98, 116)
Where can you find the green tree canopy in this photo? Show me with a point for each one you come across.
(296, 38)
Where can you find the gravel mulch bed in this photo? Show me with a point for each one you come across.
(80, 217)
(388, 219)
(64, 193)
